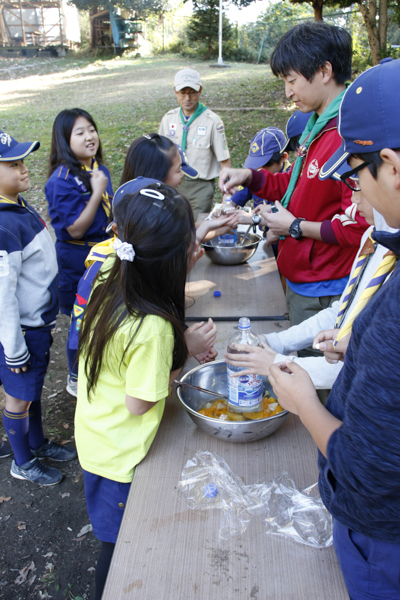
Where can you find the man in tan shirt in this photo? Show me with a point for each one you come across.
(201, 134)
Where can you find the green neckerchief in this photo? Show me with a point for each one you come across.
(313, 128)
(199, 110)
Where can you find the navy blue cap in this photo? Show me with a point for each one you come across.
(344, 168)
(368, 115)
(296, 124)
(263, 146)
(10, 149)
(186, 168)
(130, 187)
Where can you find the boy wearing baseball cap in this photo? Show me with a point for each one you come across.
(358, 433)
(29, 306)
(201, 134)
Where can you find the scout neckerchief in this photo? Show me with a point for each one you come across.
(352, 285)
(4, 200)
(105, 199)
(313, 128)
(387, 265)
(199, 110)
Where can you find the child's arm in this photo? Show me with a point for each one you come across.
(136, 406)
(79, 227)
(208, 230)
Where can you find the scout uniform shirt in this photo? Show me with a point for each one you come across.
(206, 143)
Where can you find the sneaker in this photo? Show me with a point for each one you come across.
(55, 452)
(6, 450)
(33, 470)
(72, 386)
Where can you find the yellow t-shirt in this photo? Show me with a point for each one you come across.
(109, 439)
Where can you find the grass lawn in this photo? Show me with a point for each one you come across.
(128, 97)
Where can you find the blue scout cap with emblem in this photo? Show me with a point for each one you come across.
(186, 168)
(368, 114)
(130, 187)
(263, 146)
(10, 149)
(296, 125)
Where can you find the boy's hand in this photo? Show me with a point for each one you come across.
(207, 356)
(278, 222)
(211, 229)
(324, 341)
(200, 337)
(293, 386)
(197, 254)
(19, 370)
(98, 181)
(271, 238)
(256, 360)
(229, 179)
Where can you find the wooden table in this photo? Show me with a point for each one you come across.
(166, 551)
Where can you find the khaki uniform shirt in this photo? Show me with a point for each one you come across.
(206, 143)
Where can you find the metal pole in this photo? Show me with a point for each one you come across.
(220, 61)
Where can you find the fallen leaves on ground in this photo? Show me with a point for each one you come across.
(23, 573)
(4, 499)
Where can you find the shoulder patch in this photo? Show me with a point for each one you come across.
(220, 128)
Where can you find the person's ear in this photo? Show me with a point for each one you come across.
(326, 72)
(285, 156)
(391, 158)
(115, 229)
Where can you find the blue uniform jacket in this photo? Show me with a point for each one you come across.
(67, 196)
(360, 480)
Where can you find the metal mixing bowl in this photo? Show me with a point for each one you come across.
(232, 255)
(212, 376)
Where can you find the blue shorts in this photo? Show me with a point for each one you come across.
(27, 386)
(71, 266)
(370, 567)
(105, 500)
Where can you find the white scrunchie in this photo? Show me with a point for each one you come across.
(124, 250)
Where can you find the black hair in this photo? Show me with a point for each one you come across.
(149, 156)
(162, 233)
(374, 159)
(308, 46)
(293, 143)
(275, 158)
(61, 153)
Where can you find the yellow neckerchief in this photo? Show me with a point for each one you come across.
(105, 199)
(5, 200)
(100, 252)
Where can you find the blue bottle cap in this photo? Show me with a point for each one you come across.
(217, 294)
(210, 490)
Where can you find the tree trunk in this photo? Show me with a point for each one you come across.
(317, 6)
(383, 25)
(368, 12)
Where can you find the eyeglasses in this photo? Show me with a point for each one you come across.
(191, 94)
(351, 181)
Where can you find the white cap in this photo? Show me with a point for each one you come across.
(187, 78)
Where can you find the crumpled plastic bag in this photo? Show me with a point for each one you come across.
(208, 483)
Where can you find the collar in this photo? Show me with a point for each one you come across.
(388, 240)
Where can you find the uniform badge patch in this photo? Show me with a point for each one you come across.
(225, 145)
(172, 129)
(201, 130)
(255, 147)
(313, 169)
(220, 128)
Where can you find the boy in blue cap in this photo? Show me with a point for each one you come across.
(267, 151)
(29, 306)
(294, 128)
(358, 433)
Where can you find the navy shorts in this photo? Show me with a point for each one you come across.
(27, 386)
(370, 567)
(71, 266)
(105, 500)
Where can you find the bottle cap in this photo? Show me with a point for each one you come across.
(217, 294)
(244, 323)
(210, 490)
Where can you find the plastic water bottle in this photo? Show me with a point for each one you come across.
(245, 393)
(228, 239)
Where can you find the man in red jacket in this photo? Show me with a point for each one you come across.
(319, 229)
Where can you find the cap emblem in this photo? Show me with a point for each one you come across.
(255, 147)
(364, 142)
(359, 90)
(5, 139)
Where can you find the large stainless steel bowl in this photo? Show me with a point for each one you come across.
(212, 376)
(232, 255)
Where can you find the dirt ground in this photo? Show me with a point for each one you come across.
(41, 526)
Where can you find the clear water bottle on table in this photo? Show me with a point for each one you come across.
(245, 393)
(230, 238)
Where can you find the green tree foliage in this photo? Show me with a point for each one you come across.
(204, 25)
(140, 7)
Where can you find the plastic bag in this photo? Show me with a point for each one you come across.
(208, 483)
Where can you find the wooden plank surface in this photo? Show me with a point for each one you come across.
(252, 289)
(166, 551)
